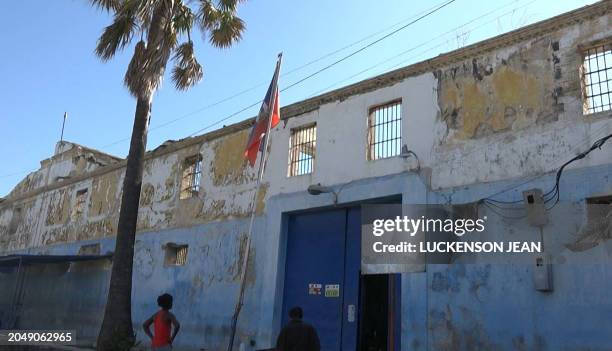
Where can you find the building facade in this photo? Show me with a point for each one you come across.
(487, 121)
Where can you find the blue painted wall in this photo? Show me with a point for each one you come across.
(467, 306)
(446, 307)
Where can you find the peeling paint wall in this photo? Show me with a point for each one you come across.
(513, 111)
(516, 111)
(487, 97)
(226, 194)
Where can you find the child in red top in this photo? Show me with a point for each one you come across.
(162, 322)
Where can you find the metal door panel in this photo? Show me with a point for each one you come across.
(315, 255)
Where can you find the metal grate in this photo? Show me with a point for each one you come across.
(597, 75)
(176, 255)
(385, 131)
(190, 184)
(302, 148)
(181, 255)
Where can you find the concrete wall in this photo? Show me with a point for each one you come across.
(489, 117)
(474, 304)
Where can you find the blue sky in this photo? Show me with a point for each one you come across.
(47, 65)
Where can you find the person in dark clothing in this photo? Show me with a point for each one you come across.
(297, 335)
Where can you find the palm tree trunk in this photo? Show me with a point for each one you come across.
(117, 332)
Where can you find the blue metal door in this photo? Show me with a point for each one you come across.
(322, 274)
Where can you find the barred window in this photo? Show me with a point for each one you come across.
(597, 79)
(302, 148)
(192, 172)
(176, 255)
(79, 205)
(385, 130)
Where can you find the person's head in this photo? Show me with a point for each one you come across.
(165, 301)
(296, 313)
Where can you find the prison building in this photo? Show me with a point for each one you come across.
(470, 130)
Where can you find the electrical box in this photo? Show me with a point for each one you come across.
(542, 273)
(536, 207)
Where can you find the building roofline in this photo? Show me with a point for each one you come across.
(503, 40)
(386, 79)
(90, 150)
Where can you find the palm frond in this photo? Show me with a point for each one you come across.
(227, 31)
(208, 15)
(117, 35)
(229, 5)
(107, 5)
(133, 79)
(161, 23)
(183, 18)
(187, 71)
(144, 12)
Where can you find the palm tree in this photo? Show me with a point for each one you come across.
(160, 25)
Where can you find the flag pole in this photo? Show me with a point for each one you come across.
(245, 262)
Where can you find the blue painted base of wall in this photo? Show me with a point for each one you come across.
(446, 307)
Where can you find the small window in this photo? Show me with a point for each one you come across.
(15, 220)
(596, 228)
(192, 172)
(176, 255)
(599, 209)
(302, 148)
(91, 249)
(79, 204)
(385, 130)
(597, 78)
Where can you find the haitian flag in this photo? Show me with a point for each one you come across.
(269, 115)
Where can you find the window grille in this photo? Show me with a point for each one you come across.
(176, 255)
(597, 79)
(192, 172)
(302, 149)
(181, 256)
(385, 131)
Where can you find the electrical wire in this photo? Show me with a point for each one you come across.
(492, 209)
(428, 13)
(356, 42)
(296, 69)
(374, 66)
(553, 193)
(369, 45)
(427, 42)
(14, 174)
(584, 142)
(557, 191)
(438, 8)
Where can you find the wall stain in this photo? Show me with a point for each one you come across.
(229, 164)
(486, 96)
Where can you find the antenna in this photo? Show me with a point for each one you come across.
(63, 124)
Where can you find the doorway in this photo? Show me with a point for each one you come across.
(379, 306)
(350, 311)
(373, 328)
